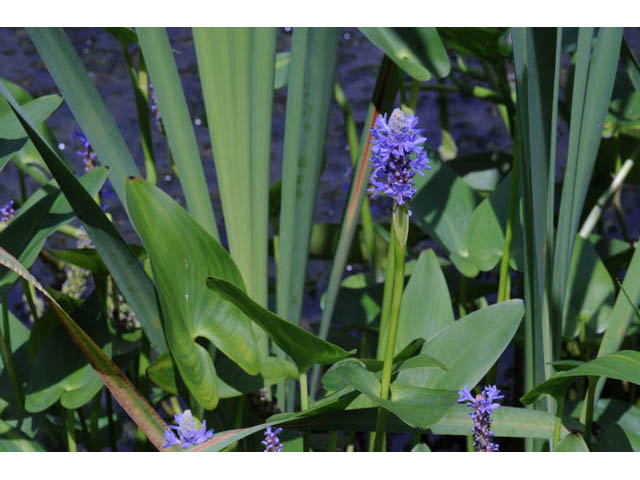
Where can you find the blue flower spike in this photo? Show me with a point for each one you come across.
(397, 155)
(7, 212)
(185, 433)
(271, 441)
(483, 406)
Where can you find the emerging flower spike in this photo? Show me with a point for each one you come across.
(7, 213)
(271, 441)
(396, 155)
(89, 158)
(185, 433)
(76, 282)
(483, 406)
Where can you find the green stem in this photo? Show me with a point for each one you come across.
(71, 434)
(112, 429)
(94, 415)
(140, 84)
(590, 400)
(30, 293)
(304, 405)
(386, 302)
(400, 229)
(558, 424)
(333, 441)
(7, 356)
(504, 283)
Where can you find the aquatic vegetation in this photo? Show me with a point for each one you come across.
(450, 262)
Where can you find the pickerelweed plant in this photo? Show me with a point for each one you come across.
(397, 154)
(197, 299)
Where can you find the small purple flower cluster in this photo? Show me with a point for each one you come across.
(483, 406)
(7, 212)
(396, 155)
(187, 435)
(89, 158)
(271, 441)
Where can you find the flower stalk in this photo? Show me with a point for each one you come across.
(399, 235)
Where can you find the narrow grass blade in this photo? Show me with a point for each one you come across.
(161, 65)
(122, 389)
(593, 85)
(128, 274)
(622, 314)
(535, 56)
(86, 104)
(311, 70)
(237, 72)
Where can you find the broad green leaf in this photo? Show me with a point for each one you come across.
(506, 422)
(310, 89)
(303, 347)
(468, 347)
(591, 290)
(182, 256)
(128, 274)
(120, 386)
(480, 42)
(442, 208)
(572, 443)
(417, 50)
(37, 110)
(86, 104)
(13, 440)
(176, 119)
(89, 258)
(426, 305)
(125, 35)
(19, 335)
(60, 371)
(421, 447)
(623, 365)
(418, 407)
(43, 213)
(485, 232)
(482, 171)
(617, 439)
(8, 148)
(232, 380)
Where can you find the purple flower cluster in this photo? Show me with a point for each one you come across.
(7, 212)
(483, 406)
(89, 158)
(271, 441)
(396, 155)
(187, 435)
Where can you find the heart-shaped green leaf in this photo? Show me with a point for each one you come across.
(120, 386)
(426, 305)
(182, 256)
(303, 347)
(572, 443)
(418, 407)
(37, 110)
(44, 211)
(60, 370)
(13, 440)
(468, 347)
